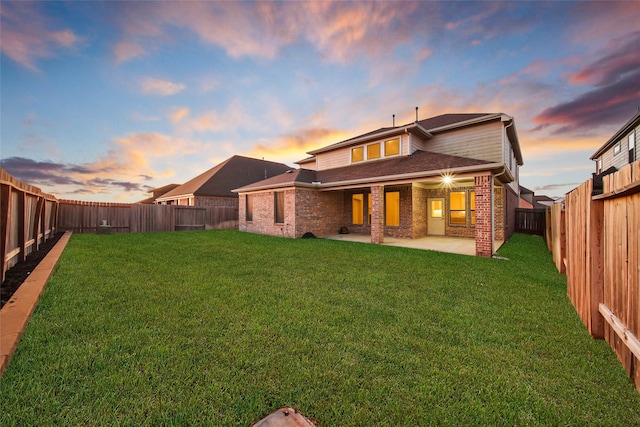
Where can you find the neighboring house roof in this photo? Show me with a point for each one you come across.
(542, 201)
(158, 192)
(420, 163)
(628, 127)
(224, 177)
(427, 127)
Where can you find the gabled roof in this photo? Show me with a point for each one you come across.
(423, 125)
(419, 164)
(224, 177)
(428, 127)
(631, 124)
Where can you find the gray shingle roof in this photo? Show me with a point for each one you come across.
(418, 162)
(224, 177)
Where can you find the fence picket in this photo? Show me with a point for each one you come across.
(602, 250)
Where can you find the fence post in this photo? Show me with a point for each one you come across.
(5, 208)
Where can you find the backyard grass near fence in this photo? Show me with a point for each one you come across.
(223, 327)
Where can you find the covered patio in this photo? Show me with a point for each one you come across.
(455, 245)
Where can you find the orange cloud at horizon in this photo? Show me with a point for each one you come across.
(297, 144)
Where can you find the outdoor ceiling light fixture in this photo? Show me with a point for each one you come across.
(447, 179)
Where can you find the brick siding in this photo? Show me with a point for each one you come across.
(320, 213)
(264, 214)
(225, 202)
(484, 239)
(419, 212)
(377, 214)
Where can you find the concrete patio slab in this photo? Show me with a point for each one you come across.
(455, 245)
(16, 313)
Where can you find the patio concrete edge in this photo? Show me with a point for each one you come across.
(16, 313)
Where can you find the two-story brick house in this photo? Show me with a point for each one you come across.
(451, 175)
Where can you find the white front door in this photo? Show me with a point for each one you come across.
(435, 215)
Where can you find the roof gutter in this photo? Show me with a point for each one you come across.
(414, 175)
(369, 180)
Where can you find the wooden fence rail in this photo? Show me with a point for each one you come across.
(28, 219)
(92, 217)
(597, 240)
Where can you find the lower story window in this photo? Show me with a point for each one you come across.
(462, 205)
(472, 205)
(279, 207)
(249, 207)
(457, 208)
(357, 208)
(392, 208)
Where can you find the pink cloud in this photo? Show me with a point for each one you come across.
(615, 80)
(125, 51)
(161, 87)
(622, 57)
(338, 30)
(28, 43)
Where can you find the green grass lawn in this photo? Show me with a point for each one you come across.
(223, 327)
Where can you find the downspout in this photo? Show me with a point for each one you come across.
(505, 138)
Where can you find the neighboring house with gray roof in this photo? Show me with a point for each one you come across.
(619, 151)
(451, 175)
(157, 192)
(213, 187)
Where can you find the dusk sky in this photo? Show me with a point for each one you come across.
(103, 101)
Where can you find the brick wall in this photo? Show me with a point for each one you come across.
(499, 201)
(419, 212)
(484, 239)
(377, 214)
(226, 202)
(320, 213)
(264, 214)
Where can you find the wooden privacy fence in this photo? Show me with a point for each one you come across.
(597, 240)
(28, 219)
(95, 217)
(531, 221)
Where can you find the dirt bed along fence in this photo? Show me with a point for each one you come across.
(93, 217)
(28, 219)
(596, 240)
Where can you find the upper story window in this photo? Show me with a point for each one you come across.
(616, 149)
(376, 150)
(373, 151)
(357, 154)
(392, 147)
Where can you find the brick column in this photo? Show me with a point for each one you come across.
(484, 223)
(377, 214)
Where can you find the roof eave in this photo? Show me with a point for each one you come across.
(179, 196)
(490, 167)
